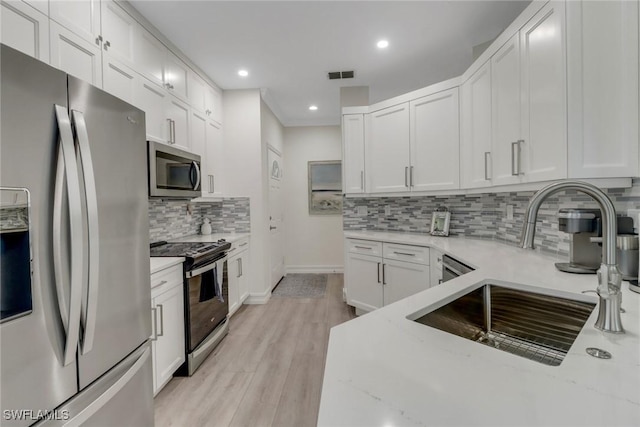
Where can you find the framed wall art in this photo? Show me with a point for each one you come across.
(325, 187)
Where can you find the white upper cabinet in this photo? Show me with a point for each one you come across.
(152, 99)
(505, 113)
(25, 29)
(119, 31)
(81, 17)
(175, 76)
(435, 142)
(213, 176)
(198, 134)
(150, 56)
(213, 104)
(387, 158)
(543, 153)
(178, 112)
(75, 55)
(353, 153)
(118, 79)
(602, 62)
(197, 92)
(475, 142)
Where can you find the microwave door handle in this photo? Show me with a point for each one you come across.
(68, 171)
(197, 169)
(89, 311)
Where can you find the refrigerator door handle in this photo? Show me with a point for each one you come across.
(68, 170)
(89, 311)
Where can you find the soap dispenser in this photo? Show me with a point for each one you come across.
(206, 227)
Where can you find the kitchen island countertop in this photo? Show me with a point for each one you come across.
(384, 369)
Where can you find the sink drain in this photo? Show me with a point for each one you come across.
(599, 353)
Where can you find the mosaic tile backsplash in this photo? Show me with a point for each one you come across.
(480, 215)
(170, 219)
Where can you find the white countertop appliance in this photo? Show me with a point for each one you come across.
(74, 343)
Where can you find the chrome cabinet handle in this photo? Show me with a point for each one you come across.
(173, 131)
(439, 281)
(212, 184)
(161, 283)
(98, 40)
(239, 268)
(67, 170)
(378, 272)
(516, 158)
(106, 45)
(272, 227)
(154, 324)
(514, 146)
(169, 136)
(404, 253)
(406, 177)
(362, 180)
(161, 333)
(90, 193)
(244, 244)
(363, 247)
(411, 176)
(384, 276)
(486, 165)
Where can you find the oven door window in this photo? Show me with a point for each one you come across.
(175, 173)
(207, 303)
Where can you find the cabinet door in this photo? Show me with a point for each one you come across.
(151, 98)
(387, 149)
(505, 112)
(435, 267)
(403, 279)
(178, 111)
(243, 287)
(213, 184)
(544, 106)
(168, 351)
(149, 55)
(602, 69)
(199, 137)
(213, 104)
(363, 281)
(435, 142)
(118, 79)
(80, 17)
(197, 93)
(25, 29)
(175, 76)
(119, 31)
(353, 153)
(475, 142)
(234, 283)
(75, 55)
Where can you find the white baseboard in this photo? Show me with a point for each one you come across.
(317, 269)
(261, 298)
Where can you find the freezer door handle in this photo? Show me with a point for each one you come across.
(90, 308)
(67, 171)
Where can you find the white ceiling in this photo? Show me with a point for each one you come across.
(289, 46)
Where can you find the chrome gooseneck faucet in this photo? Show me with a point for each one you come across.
(609, 278)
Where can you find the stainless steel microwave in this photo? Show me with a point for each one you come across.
(173, 173)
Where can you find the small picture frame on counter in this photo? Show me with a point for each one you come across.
(440, 222)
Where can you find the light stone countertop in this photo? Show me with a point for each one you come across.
(161, 263)
(385, 370)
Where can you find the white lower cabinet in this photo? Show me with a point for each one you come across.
(238, 270)
(167, 311)
(373, 281)
(436, 266)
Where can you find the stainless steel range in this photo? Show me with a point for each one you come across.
(205, 296)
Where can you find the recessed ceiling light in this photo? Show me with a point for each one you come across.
(243, 73)
(313, 107)
(382, 44)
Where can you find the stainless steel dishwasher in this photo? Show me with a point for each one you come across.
(452, 268)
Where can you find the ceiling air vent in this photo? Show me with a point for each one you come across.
(333, 75)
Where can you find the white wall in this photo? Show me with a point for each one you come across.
(313, 243)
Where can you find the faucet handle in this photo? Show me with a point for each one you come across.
(595, 239)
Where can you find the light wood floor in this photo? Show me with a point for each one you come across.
(266, 372)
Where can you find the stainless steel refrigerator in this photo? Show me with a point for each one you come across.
(75, 252)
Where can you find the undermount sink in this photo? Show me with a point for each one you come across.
(528, 324)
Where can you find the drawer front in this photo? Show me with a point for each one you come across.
(364, 247)
(408, 253)
(239, 246)
(166, 278)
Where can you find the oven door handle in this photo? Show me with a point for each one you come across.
(204, 269)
